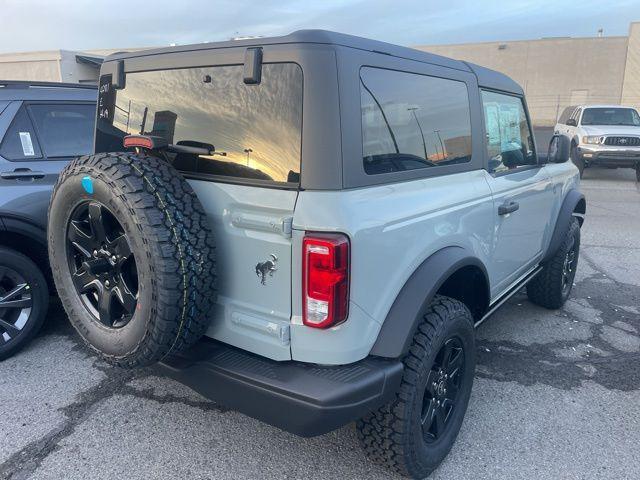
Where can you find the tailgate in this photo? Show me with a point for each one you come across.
(252, 230)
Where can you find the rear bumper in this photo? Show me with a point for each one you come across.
(610, 156)
(303, 399)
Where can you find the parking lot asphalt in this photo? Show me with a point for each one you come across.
(556, 394)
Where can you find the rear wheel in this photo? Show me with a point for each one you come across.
(416, 431)
(24, 298)
(132, 256)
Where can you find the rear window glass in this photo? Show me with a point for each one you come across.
(255, 129)
(412, 121)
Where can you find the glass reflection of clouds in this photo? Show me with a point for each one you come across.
(264, 120)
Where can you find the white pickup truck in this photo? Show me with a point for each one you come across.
(604, 135)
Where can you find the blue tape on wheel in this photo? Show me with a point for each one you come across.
(87, 184)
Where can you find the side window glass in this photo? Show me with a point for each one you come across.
(509, 139)
(566, 114)
(412, 121)
(576, 114)
(20, 142)
(65, 130)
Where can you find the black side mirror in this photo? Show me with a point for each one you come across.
(572, 122)
(559, 149)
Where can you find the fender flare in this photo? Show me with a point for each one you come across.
(574, 201)
(404, 316)
(10, 223)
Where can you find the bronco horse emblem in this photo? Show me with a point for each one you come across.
(266, 268)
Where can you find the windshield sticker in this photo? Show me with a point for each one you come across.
(27, 144)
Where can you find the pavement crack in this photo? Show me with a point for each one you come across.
(24, 462)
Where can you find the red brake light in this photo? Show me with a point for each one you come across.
(137, 141)
(325, 279)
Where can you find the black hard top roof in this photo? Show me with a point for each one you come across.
(48, 91)
(486, 77)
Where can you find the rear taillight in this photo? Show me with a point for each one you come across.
(325, 279)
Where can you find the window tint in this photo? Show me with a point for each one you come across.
(255, 129)
(412, 121)
(20, 142)
(509, 139)
(65, 130)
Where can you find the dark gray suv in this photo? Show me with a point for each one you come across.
(42, 127)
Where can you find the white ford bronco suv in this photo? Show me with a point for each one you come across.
(602, 135)
(308, 228)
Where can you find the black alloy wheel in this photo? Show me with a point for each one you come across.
(441, 391)
(15, 304)
(102, 265)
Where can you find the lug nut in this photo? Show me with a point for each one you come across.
(113, 258)
(106, 283)
(95, 253)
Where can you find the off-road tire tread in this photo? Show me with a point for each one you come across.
(384, 433)
(180, 247)
(546, 288)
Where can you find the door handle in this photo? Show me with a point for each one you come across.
(508, 207)
(21, 173)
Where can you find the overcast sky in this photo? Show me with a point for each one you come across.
(93, 24)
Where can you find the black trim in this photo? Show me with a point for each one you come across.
(415, 297)
(15, 224)
(508, 294)
(28, 84)
(571, 201)
(301, 398)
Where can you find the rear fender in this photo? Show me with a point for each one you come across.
(415, 297)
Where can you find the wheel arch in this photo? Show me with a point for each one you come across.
(573, 205)
(28, 238)
(452, 271)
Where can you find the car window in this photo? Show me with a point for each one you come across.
(256, 130)
(412, 121)
(20, 141)
(566, 115)
(576, 114)
(65, 130)
(611, 116)
(509, 140)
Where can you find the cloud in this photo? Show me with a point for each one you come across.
(87, 24)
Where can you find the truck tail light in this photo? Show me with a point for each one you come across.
(325, 279)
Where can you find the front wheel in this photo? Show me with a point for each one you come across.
(415, 432)
(24, 298)
(578, 161)
(551, 287)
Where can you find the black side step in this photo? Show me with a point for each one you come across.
(508, 294)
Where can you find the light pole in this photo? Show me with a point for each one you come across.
(437, 132)
(424, 144)
(248, 151)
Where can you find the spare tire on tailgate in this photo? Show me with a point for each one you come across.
(132, 255)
